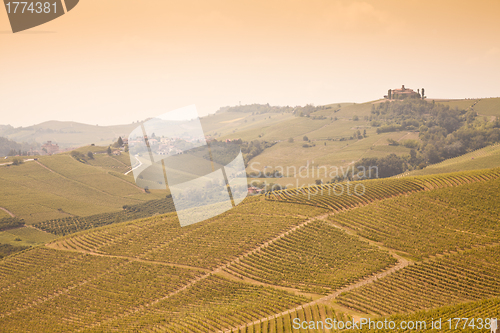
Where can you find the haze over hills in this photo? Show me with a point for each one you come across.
(67, 134)
(83, 243)
(230, 122)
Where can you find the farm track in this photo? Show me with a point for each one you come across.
(10, 213)
(75, 181)
(55, 246)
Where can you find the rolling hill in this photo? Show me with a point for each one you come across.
(270, 260)
(99, 254)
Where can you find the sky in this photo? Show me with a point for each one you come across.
(111, 62)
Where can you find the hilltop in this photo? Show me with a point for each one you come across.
(67, 134)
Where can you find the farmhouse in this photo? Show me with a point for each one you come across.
(50, 148)
(403, 93)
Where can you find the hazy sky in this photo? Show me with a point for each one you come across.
(116, 61)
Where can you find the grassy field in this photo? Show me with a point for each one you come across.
(25, 236)
(59, 186)
(488, 157)
(488, 107)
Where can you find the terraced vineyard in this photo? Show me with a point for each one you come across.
(284, 323)
(316, 258)
(428, 223)
(259, 266)
(450, 279)
(481, 311)
(340, 196)
(214, 304)
(206, 245)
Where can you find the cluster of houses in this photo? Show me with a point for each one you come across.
(161, 146)
(254, 190)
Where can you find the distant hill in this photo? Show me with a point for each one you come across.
(67, 134)
(8, 146)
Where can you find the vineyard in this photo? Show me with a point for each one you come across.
(284, 323)
(70, 225)
(428, 223)
(341, 196)
(481, 311)
(259, 266)
(205, 245)
(121, 294)
(450, 279)
(484, 309)
(316, 258)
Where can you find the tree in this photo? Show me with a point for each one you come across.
(423, 93)
(17, 161)
(109, 150)
(290, 140)
(389, 94)
(355, 118)
(305, 138)
(90, 155)
(364, 134)
(120, 141)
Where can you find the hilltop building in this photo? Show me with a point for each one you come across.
(50, 148)
(403, 93)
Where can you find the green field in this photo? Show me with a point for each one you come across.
(488, 107)
(59, 186)
(26, 236)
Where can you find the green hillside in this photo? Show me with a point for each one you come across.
(488, 157)
(59, 186)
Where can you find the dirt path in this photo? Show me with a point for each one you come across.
(81, 183)
(43, 166)
(56, 246)
(402, 263)
(5, 210)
